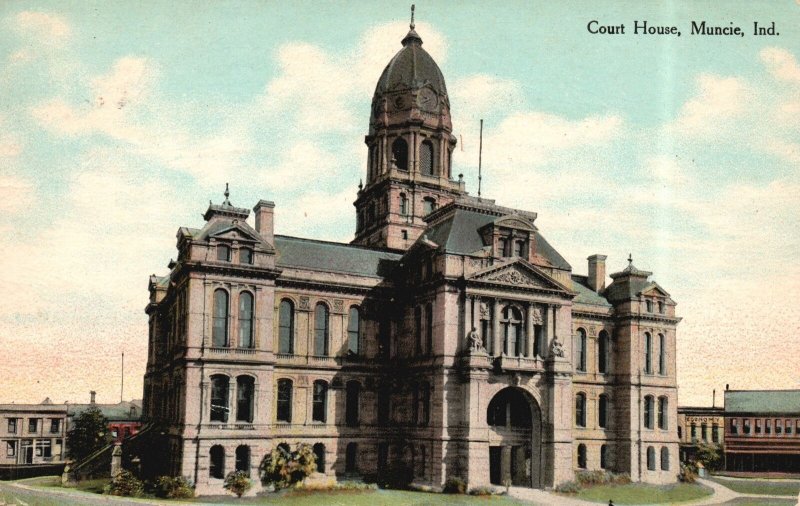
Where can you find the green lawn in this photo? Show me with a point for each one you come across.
(761, 487)
(752, 501)
(639, 493)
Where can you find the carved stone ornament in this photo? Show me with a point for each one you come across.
(305, 304)
(475, 342)
(484, 311)
(556, 348)
(512, 277)
(536, 316)
(338, 305)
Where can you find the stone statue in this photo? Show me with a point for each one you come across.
(475, 343)
(556, 348)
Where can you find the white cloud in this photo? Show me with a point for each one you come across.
(16, 194)
(718, 103)
(47, 28)
(781, 64)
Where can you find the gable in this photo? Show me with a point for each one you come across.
(235, 233)
(518, 274)
(653, 289)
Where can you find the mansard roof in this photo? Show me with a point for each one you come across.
(763, 401)
(458, 232)
(295, 252)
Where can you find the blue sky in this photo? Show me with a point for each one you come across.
(119, 121)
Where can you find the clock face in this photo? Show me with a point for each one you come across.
(427, 100)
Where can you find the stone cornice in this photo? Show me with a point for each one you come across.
(327, 286)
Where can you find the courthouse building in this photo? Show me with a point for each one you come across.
(448, 339)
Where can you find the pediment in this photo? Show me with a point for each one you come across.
(654, 289)
(518, 274)
(236, 233)
(515, 221)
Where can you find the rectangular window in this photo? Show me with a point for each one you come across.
(12, 425)
(33, 424)
(788, 427)
(758, 426)
(778, 427)
(11, 448)
(767, 426)
(648, 353)
(55, 425)
(746, 426)
(704, 432)
(734, 426)
(693, 432)
(715, 433)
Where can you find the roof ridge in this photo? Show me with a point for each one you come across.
(342, 244)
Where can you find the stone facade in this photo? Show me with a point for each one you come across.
(450, 339)
(32, 434)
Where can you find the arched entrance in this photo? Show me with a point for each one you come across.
(514, 422)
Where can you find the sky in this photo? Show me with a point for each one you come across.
(119, 121)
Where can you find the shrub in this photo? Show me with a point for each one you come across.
(710, 455)
(481, 491)
(454, 486)
(125, 484)
(283, 468)
(589, 478)
(169, 487)
(238, 482)
(568, 487)
(688, 473)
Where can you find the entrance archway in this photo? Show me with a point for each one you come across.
(514, 421)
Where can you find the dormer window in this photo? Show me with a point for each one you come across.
(223, 253)
(502, 247)
(245, 256)
(520, 249)
(660, 307)
(649, 305)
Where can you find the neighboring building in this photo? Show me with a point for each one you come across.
(762, 430)
(699, 425)
(124, 417)
(449, 338)
(31, 438)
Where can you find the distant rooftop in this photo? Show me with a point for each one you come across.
(763, 401)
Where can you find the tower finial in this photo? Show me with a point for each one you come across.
(227, 194)
(412, 17)
(630, 260)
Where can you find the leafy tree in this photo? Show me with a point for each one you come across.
(125, 484)
(283, 468)
(238, 482)
(710, 455)
(88, 434)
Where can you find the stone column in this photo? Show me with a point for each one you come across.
(529, 333)
(497, 347)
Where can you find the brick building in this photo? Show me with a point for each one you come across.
(762, 430)
(699, 425)
(31, 436)
(450, 338)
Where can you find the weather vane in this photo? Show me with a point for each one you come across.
(412, 17)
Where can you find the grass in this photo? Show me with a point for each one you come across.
(760, 486)
(754, 501)
(640, 493)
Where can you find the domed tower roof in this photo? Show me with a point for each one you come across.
(410, 69)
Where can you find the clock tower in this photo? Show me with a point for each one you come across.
(410, 147)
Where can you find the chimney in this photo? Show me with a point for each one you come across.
(92, 394)
(265, 220)
(597, 272)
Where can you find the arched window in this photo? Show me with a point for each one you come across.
(320, 402)
(219, 398)
(400, 153)
(245, 320)
(353, 392)
(582, 456)
(245, 256)
(245, 393)
(651, 458)
(372, 163)
(602, 411)
(351, 458)
(321, 330)
(216, 467)
(581, 351)
(243, 459)
(418, 329)
(354, 331)
(660, 307)
(648, 353)
(429, 328)
(426, 158)
(662, 354)
(286, 327)
(284, 411)
(603, 456)
(319, 453)
(663, 413)
(403, 205)
(648, 411)
(219, 332)
(428, 205)
(602, 352)
(223, 253)
(664, 458)
(580, 410)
